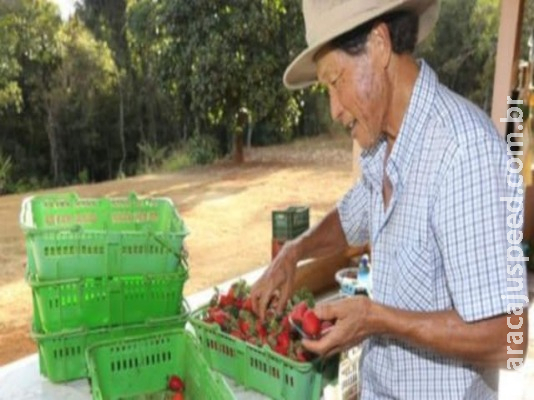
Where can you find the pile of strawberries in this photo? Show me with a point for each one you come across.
(233, 313)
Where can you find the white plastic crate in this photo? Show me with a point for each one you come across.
(349, 374)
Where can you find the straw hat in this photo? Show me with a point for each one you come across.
(327, 19)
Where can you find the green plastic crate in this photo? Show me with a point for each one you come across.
(62, 355)
(72, 237)
(290, 223)
(105, 302)
(138, 368)
(258, 368)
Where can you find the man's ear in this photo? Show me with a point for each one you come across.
(380, 41)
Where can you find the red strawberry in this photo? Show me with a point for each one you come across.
(226, 300)
(218, 316)
(281, 350)
(311, 325)
(238, 303)
(301, 353)
(176, 384)
(178, 396)
(283, 339)
(285, 323)
(325, 326)
(244, 326)
(247, 304)
(260, 329)
(238, 334)
(297, 314)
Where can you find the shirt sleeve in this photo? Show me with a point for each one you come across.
(353, 210)
(470, 224)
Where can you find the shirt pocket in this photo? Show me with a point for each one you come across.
(414, 278)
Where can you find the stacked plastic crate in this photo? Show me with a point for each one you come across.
(100, 269)
(288, 224)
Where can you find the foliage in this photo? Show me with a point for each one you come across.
(202, 149)
(5, 171)
(130, 86)
(462, 48)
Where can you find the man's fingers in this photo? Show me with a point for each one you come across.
(282, 300)
(321, 346)
(264, 303)
(255, 294)
(326, 311)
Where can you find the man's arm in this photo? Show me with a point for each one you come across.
(483, 343)
(324, 239)
(487, 343)
(345, 224)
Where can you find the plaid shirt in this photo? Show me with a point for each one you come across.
(440, 245)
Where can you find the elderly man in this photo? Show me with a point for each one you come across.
(429, 203)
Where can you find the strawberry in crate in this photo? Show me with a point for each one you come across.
(232, 311)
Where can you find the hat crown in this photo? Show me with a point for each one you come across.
(324, 16)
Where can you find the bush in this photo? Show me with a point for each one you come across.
(202, 149)
(177, 160)
(5, 172)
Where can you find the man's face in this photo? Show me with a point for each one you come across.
(358, 90)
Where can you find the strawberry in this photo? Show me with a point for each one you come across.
(325, 326)
(311, 325)
(260, 329)
(247, 304)
(176, 384)
(226, 300)
(244, 326)
(218, 316)
(281, 350)
(297, 314)
(301, 354)
(285, 323)
(283, 339)
(237, 334)
(178, 396)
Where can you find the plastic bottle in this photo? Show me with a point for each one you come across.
(364, 274)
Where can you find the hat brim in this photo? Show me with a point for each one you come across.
(302, 72)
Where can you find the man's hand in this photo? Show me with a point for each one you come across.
(485, 343)
(277, 281)
(350, 328)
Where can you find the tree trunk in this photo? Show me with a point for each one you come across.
(51, 132)
(239, 156)
(121, 128)
(242, 119)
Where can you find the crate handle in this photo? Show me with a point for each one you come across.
(182, 256)
(35, 335)
(35, 283)
(186, 307)
(25, 216)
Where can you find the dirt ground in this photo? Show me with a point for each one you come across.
(227, 209)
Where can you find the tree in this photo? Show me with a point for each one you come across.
(462, 47)
(231, 57)
(10, 92)
(107, 21)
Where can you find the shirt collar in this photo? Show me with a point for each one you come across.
(408, 140)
